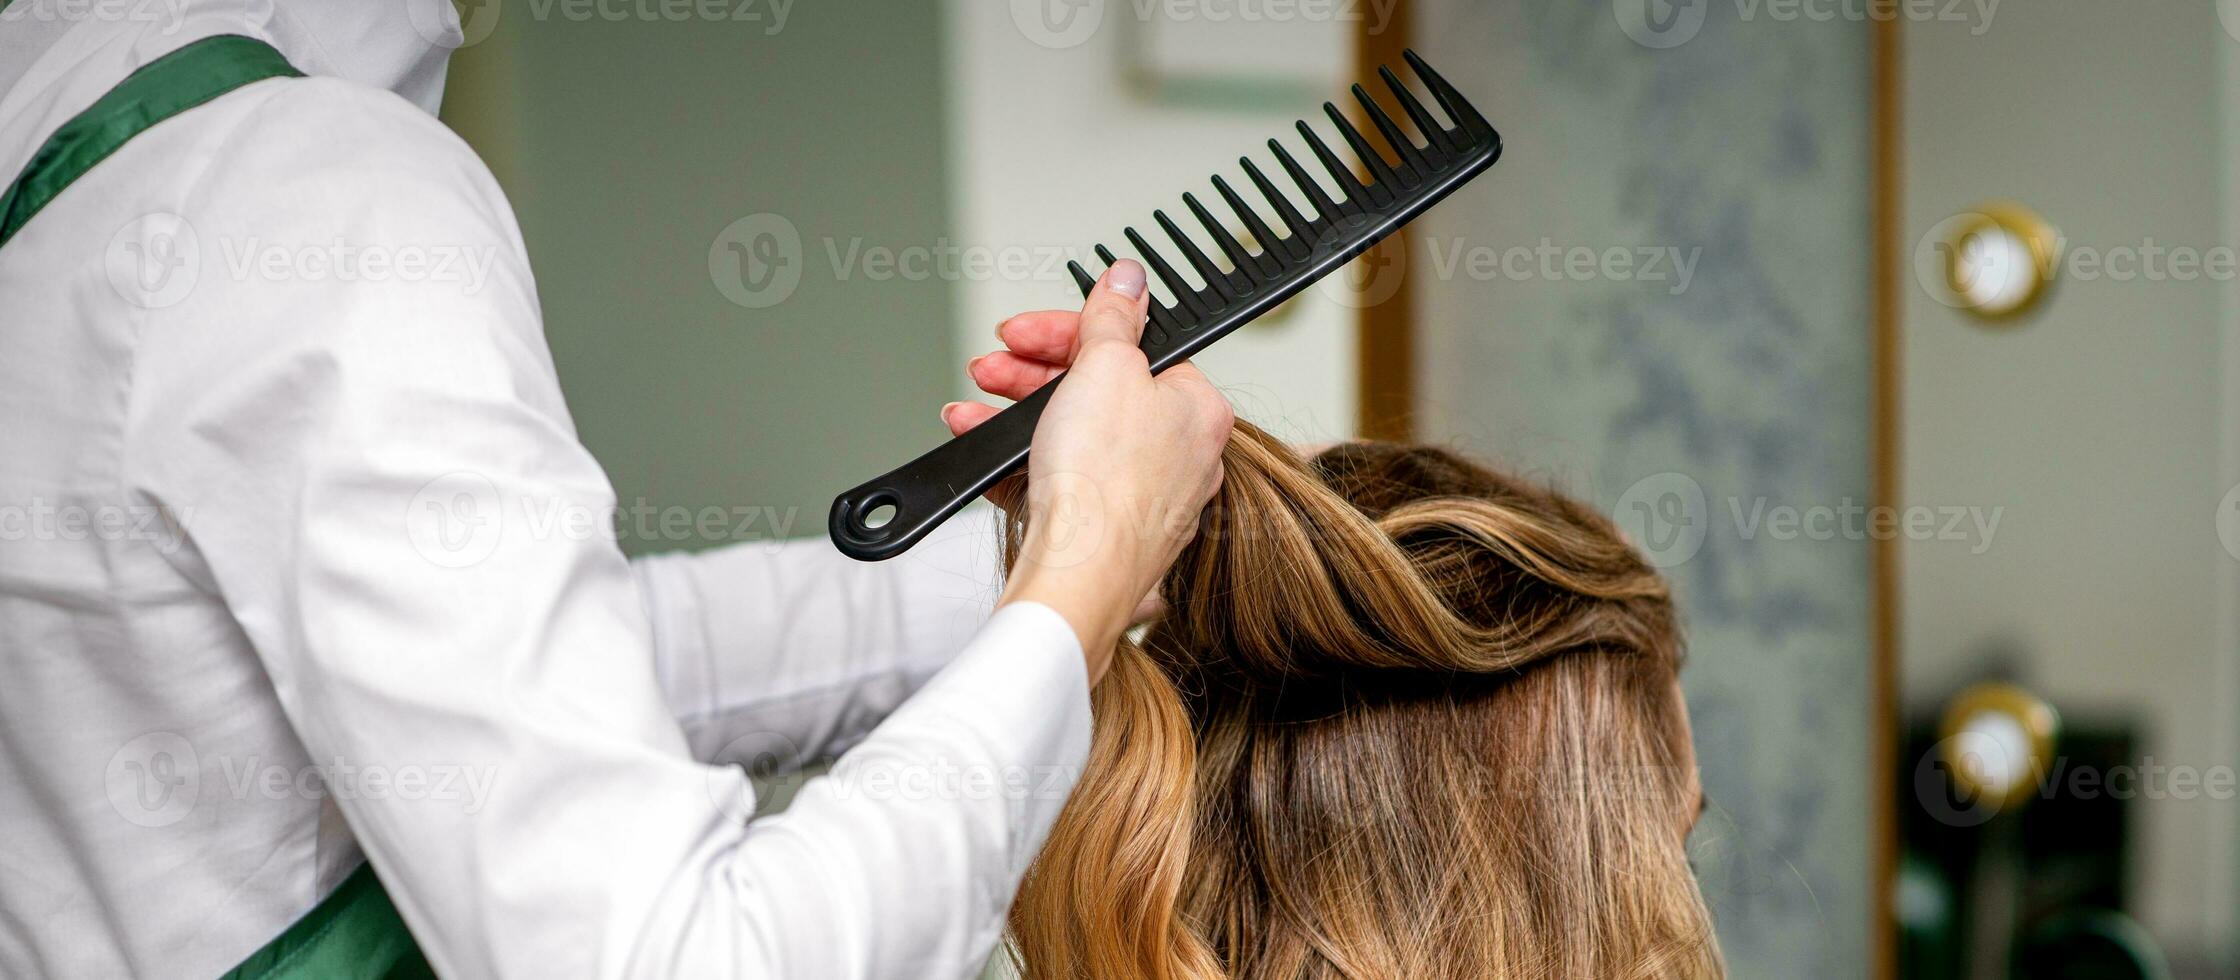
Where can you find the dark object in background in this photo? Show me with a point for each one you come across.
(928, 490)
(2053, 867)
(2093, 944)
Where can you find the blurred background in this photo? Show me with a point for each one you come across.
(1904, 336)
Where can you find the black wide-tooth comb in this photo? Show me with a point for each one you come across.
(927, 490)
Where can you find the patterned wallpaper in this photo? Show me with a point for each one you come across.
(1658, 300)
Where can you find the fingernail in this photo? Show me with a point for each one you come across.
(1126, 278)
(946, 409)
(973, 365)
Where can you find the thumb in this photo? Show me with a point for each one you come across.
(1116, 307)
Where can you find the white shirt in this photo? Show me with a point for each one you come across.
(295, 570)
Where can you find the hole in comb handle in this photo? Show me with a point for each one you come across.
(873, 511)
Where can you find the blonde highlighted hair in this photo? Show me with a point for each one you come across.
(1405, 717)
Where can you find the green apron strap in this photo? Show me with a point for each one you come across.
(352, 934)
(160, 89)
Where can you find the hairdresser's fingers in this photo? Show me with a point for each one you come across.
(1007, 375)
(1113, 315)
(1044, 335)
(962, 417)
(1214, 417)
(1193, 383)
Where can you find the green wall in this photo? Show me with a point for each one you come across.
(629, 147)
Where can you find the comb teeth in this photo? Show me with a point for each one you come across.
(1207, 271)
(1266, 261)
(1411, 159)
(1292, 219)
(1324, 208)
(1417, 114)
(1377, 200)
(1380, 173)
(1456, 107)
(1380, 189)
(1238, 259)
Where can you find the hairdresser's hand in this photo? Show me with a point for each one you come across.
(1121, 466)
(1037, 347)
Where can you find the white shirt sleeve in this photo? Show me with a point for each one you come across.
(789, 652)
(377, 473)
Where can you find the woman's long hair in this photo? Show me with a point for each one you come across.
(1404, 718)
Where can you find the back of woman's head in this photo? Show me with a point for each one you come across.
(1404, 717)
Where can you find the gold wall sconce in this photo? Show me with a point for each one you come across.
(1997, 744)
(1995, 261)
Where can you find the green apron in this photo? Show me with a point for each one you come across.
(354, 933)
